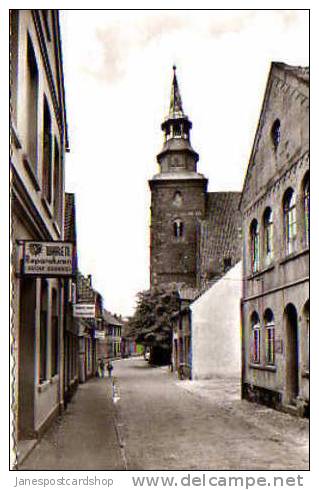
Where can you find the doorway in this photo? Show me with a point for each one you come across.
(27, 352)
(292, 354)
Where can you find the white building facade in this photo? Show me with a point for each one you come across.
(38, 146)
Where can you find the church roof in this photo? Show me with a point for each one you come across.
(176, 144)
(219, 235)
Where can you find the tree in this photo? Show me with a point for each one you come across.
(151, 322)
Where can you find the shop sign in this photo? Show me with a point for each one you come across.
(48, 259)
(99, 334)
(82, 310)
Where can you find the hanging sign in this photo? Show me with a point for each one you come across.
(82, 310)
(99, 334)
(49, 259)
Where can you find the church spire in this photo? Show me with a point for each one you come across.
(175, 107)
(176, 125)
(177, 154)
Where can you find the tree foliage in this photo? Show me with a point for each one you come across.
(151, 323)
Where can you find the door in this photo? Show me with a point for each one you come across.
(292, 354)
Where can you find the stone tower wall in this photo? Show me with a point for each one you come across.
(174, 259)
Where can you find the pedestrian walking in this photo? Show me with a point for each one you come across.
(109, 368)
(101, 368)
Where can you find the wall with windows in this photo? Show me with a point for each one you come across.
(275, 208)
(176, 206)
(38, 144)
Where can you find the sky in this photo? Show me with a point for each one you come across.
(118, 75)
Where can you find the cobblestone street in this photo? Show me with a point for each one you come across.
(156, 422)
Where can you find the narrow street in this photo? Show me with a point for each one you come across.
(156, 422)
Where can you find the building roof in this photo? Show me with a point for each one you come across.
(219, 236)
(301, 72)
(182, 175)
(111, 319)
(302, 75)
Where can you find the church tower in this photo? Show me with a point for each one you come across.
(177, 202)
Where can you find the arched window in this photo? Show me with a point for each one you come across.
(275, 133)
(290, 221)
(268, 236)
(255, 331)
(254, 245)
(178, 226)
(306, 208)
(270, 337)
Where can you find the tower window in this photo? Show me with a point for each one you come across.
(178, 226)
(177, 130)
(275, 133)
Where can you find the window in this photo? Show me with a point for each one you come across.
(54, 334)
(178, 228)
(306, 208)
(14, 50)
(47, 153)
(290, 221)
(57, 183)
(275, 133)
(254, 245)
(270, 337)
(268, 236)
(32, 84)
(255, 326)
(43, 331)
(177, 130)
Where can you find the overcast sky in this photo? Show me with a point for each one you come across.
(118, 74)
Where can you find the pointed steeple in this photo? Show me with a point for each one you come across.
(175, 107)
(177, 154)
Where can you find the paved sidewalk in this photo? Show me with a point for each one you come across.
(84, 437)
(217, 390)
